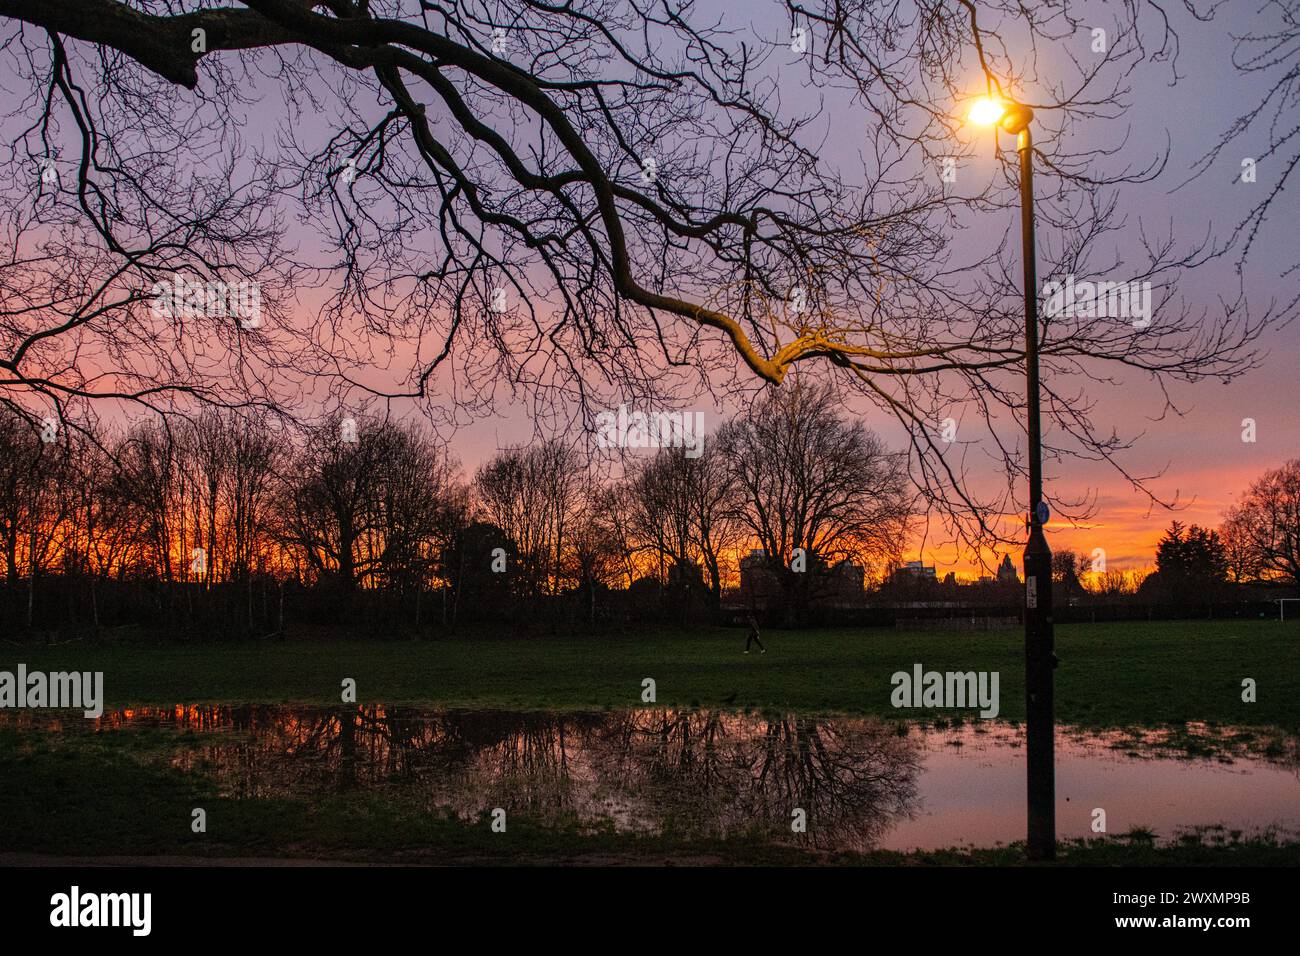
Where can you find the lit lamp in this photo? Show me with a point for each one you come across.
(1040, 657)
(1005, 114)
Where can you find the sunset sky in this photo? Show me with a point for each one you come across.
(1200, 458)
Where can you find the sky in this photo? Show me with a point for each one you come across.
(1201, 459)
(1202, 462)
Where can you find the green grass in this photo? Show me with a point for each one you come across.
(1110, 675)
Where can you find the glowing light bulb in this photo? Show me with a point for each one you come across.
(986, 111)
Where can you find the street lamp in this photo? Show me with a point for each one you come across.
(1040, 658)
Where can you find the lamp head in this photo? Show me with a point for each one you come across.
(992, 111)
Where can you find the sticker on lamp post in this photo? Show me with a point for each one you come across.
(1031, 591)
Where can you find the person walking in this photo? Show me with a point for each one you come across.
(753, 635)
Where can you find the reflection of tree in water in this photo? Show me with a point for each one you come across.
(714, 773)
(682, 772)
(478, 760)
(267, 751)
(851, 777)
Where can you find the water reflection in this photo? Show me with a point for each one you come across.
(689, 773)
(863, 783)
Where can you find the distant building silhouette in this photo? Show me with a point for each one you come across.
(847, 582)
(760, 585)
(1007, 571)
(916, 570)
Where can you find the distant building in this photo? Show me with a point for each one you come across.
(1007, 571)
(913, 570)
(758, 585)
(840, 583)
(848, 581)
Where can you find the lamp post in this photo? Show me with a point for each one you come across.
(1040, 658)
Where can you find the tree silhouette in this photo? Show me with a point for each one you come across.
(1264, 526)
(575, 202)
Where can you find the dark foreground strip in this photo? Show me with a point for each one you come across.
(667, 909)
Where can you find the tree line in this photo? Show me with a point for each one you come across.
(204, 522)
(586, 220)
(1257, 543)
(207, 524)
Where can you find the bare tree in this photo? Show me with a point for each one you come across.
(151, 479)
(715, 526)
(683, 511)
(19, 454)
(1238, 552)
(808, 480)
(116, 194)
(1114, 583)
(596, 545)
(206, 456)
(326, 510)
(661, 514)
(533, 495)
(416, 486)
(1068, 570)
(650, 215)
(35, 501)
(1265, 523)
(257, 457)
(618, 509)
(1269, 48)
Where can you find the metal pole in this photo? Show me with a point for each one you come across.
(1040, 658)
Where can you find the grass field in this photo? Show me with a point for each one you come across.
(120, 794)
(1110, 674)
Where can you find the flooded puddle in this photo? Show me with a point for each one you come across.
(973, 788)
(862, 783)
